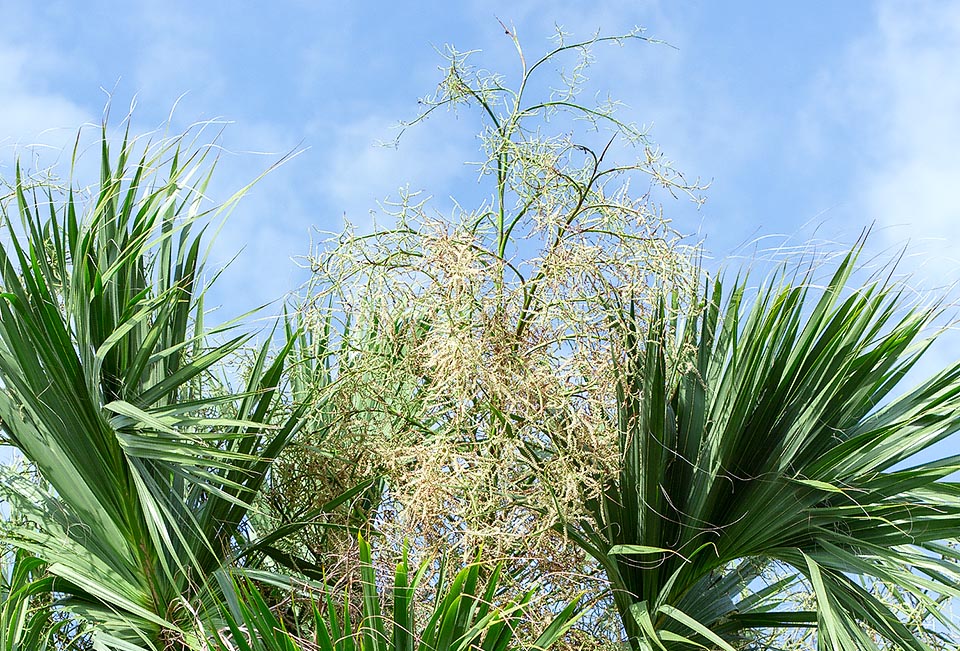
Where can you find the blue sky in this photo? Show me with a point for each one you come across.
(810, 119)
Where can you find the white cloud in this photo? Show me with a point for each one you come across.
(175, 57)
(894, 102)
(899, 93)
(358, 171)
(30, 115)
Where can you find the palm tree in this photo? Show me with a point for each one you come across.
(767, 436)
(149, 464)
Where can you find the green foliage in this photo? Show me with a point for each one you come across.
(544, 364)
(540, 373)
(319, 494)
(775, 438)
(479, 342)
(27, 620)
(463, 616)
(149, 467)
(146, 467)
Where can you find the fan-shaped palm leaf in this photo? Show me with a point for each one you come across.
(109, 391)
(774, 439)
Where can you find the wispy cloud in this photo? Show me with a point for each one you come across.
(29, 114)
(359, 171)
(891, 112)
(898, 95)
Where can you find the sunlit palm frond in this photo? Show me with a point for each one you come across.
(769, 434)
(150, 466)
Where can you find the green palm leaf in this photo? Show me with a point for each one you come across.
(27, 622)
(463, 617)
(110, 393)
(773, 438)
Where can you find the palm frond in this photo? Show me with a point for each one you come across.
(109, 384)
(769, 433)
(463, 616)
